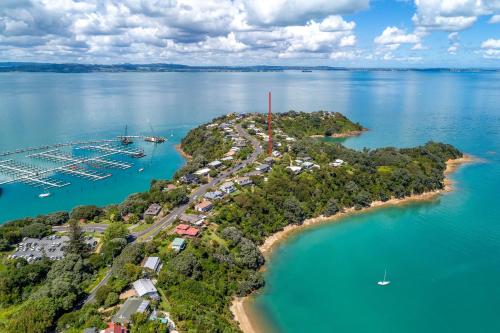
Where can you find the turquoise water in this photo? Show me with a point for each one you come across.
(443, 257)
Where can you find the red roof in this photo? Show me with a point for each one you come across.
(183, 229)
(115, 328)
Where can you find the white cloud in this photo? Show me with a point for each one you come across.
(290, 12)
(491, 48)
(418, 47)
(452, 15)
(491, 44)
(494, 19)
(344, 55)
(393, 37)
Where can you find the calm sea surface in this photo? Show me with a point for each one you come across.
(443, 257)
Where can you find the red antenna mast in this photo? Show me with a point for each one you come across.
(269, 129)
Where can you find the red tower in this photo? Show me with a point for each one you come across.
(269, 129)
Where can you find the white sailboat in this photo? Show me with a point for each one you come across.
(141, 169)
(384, 282)
(44, 195)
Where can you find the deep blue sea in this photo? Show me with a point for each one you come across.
(443, 257)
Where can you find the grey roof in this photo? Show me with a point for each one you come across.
(144, 287)
(131, 306)
(154, 209)
(152, 263)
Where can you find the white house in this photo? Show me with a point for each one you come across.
(337, 163)
(228, 187)
(295, 169)
(145, 288)
(215, 164)
(152, 263)
(202, 172)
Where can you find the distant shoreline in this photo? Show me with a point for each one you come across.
(239, 307)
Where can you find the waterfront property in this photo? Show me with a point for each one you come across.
(202, 172)
(153, 210)
(131, 306)
(190, 179)
(178, 244)
(145, 288)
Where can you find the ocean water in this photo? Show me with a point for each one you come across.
(443, 257)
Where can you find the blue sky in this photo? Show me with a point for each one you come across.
(353, 33)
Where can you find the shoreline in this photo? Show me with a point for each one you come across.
(182, 152)
(341, 135)
(248, 324)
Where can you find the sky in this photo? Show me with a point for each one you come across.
(351, 33)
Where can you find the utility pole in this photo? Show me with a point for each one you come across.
(269, 129)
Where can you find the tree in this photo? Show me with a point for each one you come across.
(35, 316)
(293, 211)
(111, 299)
(76, 242)
(186, 264)
(85, 212)
(149, 220)
(101, 294)
(115, 230)
(248, 255)
(332, 207)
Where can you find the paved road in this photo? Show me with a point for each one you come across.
(95, 227)
(167, 220)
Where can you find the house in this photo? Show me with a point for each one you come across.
(228, 187)
(263, 167)
(230, 153)
(185, 230)
(215, 164)
(336, 163)
(214, 195)
(276, 153)
(228, 158)
(243, 181)
(254, 173)
(153, 210)
(178, 244)
(204, 206)
(190, 179)
(145, 288)
(131, 306)
(193, 219)
(202, 172)
(307, 165)
(152, 263)
(294, 168)
(115, 328)
(269, 160)
(169, 187)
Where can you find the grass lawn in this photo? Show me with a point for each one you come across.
(139, 227)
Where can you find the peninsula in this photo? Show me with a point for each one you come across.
(179, 255)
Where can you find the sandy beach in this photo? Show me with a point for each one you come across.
(182, 152)
(238, 306)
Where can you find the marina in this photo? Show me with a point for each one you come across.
(46, 166)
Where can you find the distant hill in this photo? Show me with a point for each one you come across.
(92, 68)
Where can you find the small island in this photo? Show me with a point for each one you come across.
(182, 255)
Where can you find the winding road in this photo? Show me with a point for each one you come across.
(167, 220)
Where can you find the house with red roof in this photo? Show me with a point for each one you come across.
(186, 230)
(115, 328)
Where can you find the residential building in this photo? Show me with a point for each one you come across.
(202, 172)
(243, 181)
(263, 167)
(228, 187)
(190, 179)
(178, 244)
(152, 263)
(269, 160)
(214, 195)
(193, 219)
(227, 158)
(215, 164)
(115, 328)
(145, 288)
(186, 230)
(307, 165)
(336, 163)
(131, 306)
(295, 169)
(153, 210)
(204, 206)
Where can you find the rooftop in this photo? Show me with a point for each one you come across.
(144, 287)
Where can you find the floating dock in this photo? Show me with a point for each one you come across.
(91, 163)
